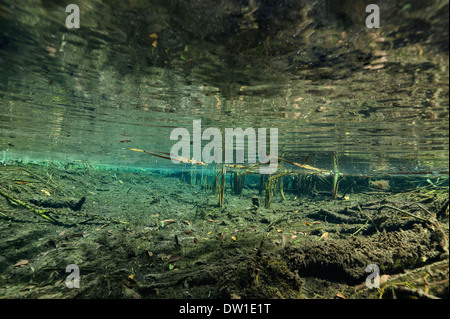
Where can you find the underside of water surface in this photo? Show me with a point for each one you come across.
(137, 146)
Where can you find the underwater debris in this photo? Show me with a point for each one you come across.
(74, 204)
(167, 156)
(40, 212)
(344, 195)
(237, 179)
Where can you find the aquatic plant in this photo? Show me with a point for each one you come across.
(222, 186)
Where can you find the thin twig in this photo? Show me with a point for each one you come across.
(404, 212)
(414, 292)
(360, 229)
(368, 217)
(426, 210)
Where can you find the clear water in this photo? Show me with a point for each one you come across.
(79, 106)
(72, 95)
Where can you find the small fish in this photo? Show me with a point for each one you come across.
(125, 141)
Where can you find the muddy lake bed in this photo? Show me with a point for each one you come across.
(147, 235)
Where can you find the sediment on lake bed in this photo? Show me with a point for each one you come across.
(150, 235)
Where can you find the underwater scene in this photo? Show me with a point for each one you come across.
(224, 150)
